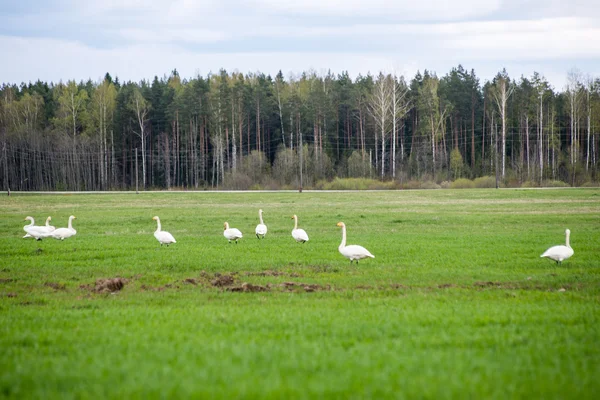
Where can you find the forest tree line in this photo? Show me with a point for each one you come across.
(236, 131)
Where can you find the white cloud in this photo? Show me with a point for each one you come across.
(168, 35)
(559, 38)
(402, 9)
(73, 60)
(140, 39)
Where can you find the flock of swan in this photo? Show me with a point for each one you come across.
(352, 252)
(44, 231)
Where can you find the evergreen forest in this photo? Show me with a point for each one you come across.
(229, 130)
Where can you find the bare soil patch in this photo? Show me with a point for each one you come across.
(486, 284)
(307, 287)
(110, 285)
(248, 287)
(55, 286)
(6, 280)
(222, 280)
(446, 285)
(273, 273)
(158, 288)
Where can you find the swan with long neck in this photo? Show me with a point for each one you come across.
(64, 233)
(163, 237)
(561, 252)
(353, 251)
(298, 234)
(231, 233)
(38, 232)
(261, 228)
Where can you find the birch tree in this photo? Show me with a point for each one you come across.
(71, 102)
(280, 88)
(400, 106)
(589, 89)
(141, 108)
(501, 91)
(103, 103)
(542, 87)
(573, 91)
(431, 113)
(380, 106)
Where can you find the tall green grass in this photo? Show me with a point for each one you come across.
(457, 302)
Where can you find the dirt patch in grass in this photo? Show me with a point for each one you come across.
(446, 286)
(158, 288)
(322, 268)
(222, 280)
(11, 294)
(273, 273)
(191, 281)
(6, 280)
(110, 285)
(55, 286)
(398, 286)
(248, 287)
(486, 284)
(307, 287)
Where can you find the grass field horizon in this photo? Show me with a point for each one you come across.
(456, 303)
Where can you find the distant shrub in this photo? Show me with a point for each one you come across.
(445, 185)
(355, 184)
(485, 182)
(271, 184)
(237, 181)
(462, 183)
(513, 183)
(529, 184)
(590, 184)
(430, 185)
(412, 184)
(552, 183)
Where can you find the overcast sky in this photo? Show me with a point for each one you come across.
(56, 40)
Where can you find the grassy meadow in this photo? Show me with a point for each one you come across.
(456, 304)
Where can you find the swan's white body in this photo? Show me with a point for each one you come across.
(353, 251)
(163, 237)
(261, 229)
(63, 233)
(298, 234)
(38, 232)
(231, 233)
(560, 253)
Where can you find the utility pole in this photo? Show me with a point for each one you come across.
(301, 151)
(496, 155)
(6, 165)
(136, 171)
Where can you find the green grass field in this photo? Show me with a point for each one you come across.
(456, 304)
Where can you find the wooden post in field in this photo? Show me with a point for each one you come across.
(496, 155)
(136, 172)
(6, 166)
(301, 151)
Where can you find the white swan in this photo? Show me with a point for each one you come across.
(38, 232)
(231, 233)
(163, 237)
(261, 229)
(354, 251)
(560, 253)
(298, 234)
(63, 233)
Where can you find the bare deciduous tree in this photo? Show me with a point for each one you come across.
(501, 91)
(140, 107)
(380, 106)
